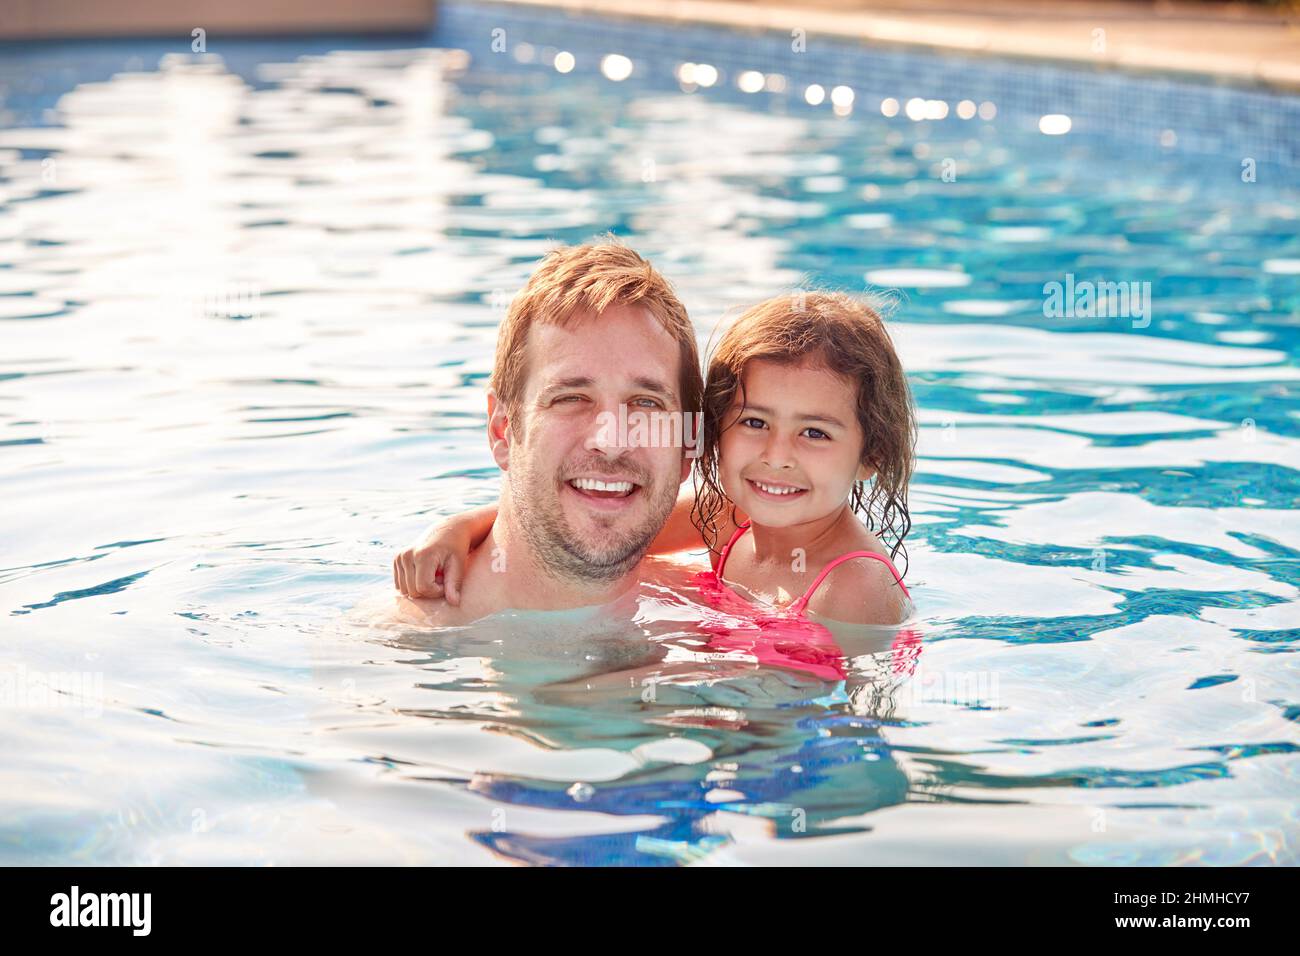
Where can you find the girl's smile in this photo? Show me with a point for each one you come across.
(775, 490)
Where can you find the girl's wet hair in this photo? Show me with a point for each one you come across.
(842, 334)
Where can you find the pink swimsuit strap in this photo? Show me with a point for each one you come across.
(802, 603)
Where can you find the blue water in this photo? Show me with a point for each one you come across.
(248, 305)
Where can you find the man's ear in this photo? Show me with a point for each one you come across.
(687, 463)
(499, 436)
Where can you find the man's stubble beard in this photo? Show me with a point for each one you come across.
(564, 553)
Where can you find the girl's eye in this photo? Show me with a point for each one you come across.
(817, 433)
(753, 422)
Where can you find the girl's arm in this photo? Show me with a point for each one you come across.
(680, 533)
(434, 566)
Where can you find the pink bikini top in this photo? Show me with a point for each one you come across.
(786, 637)
(799, 606)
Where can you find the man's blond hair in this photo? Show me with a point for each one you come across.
(588, 279)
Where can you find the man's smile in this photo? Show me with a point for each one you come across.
(604, 493)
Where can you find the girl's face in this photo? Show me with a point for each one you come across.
(792, 451)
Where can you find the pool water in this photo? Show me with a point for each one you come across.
(248, 308)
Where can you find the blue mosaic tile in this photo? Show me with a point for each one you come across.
(1131, 110)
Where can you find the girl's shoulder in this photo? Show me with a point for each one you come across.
(858, 537)
(730, 527)
(860, 591)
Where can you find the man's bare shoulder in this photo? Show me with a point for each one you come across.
(398, 609)
(434, 612)
(480, 596)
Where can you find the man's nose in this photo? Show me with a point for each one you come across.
(607, 436)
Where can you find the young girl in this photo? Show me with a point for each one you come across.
(805, 403)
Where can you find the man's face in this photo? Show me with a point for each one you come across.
(591, 496)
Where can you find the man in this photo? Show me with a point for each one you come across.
(595, 333)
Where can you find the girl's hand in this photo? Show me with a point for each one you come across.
(434, 566)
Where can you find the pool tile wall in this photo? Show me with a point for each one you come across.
(1135, 111)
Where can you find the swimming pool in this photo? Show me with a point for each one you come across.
(248, 310)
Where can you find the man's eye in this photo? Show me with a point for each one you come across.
(567, 398)
(648, 402)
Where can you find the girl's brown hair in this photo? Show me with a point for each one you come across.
(838, 332)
